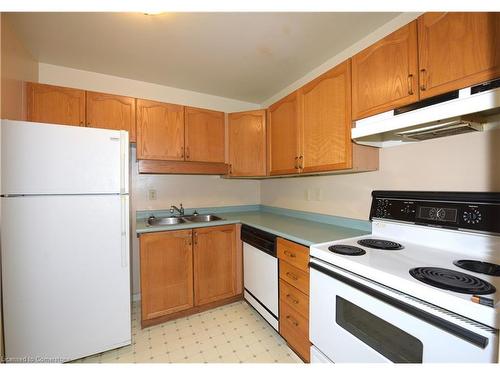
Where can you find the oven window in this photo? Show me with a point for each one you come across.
(390, 341)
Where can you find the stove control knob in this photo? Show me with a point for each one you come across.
(472, 216)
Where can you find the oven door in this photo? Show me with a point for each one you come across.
(355, 320)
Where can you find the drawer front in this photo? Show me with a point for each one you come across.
(295, 330)
(295, 277)
(294, 298)
(295, 254)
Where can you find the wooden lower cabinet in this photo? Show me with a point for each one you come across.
(294, 296)
(187, 271)
(166, 273)
(214, 263)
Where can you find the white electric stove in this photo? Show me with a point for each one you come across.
(424, 286)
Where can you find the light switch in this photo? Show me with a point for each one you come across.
(152, 194)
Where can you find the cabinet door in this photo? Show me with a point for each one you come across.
(166, 272)
(214, 263)
(247, 143)
(456, 50)
(160, 131)
(111, 112)
(55, 105)
(384, 75)
(283, 136)
(326, 121)
(205, 138)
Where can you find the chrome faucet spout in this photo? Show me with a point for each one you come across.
(179, 210)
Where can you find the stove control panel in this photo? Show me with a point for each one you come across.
(468, 215)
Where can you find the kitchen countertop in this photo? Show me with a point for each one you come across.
(302, 227)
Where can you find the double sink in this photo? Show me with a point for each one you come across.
(176, 220)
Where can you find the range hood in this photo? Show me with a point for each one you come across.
(472, 109)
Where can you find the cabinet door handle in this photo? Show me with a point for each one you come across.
(230, 169)
(182, 152)
(187, 152)
(423, 79)
(301, 162)
(195, 238)
(296, 164)
(293, 321)
(410, 84)
(290, 254)
(291, 298)
(292, 276)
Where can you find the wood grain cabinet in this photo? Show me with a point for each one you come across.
(160, 131)
(166, 273)
(55, 105)
(247, 143)
(214, 263)
(326, 121)
(294, 296)
(283, 135)
(111, 112)
(456, 50)
(187, 271)
(385, 75)
(204, 135)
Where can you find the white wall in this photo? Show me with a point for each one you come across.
(63, 76)
(191, 191)
(468, 162)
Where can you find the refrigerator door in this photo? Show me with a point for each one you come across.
(58, 159)
(65, 276)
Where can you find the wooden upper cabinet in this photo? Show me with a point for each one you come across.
(457, 50)
(55, 105)
(111, 112)
(160, 131)
(205, 135)
(247, 143)
(326, 121)
(214, 263)
(283, 133)
(384, 75)
(166, 272)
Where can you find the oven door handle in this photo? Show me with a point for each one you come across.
(452, 328)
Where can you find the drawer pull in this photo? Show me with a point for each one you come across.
(291, 320)
(290, 297)
(292, 276)
(290, 254)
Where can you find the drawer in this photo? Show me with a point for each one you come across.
(295, 298)
(295, 330)
(295, 277)
(295, 254)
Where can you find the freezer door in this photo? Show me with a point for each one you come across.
(58, 159)
(65, 274)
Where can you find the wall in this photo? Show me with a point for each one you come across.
(467, 162)
(16, 65)
(191, 191)
(63, 76)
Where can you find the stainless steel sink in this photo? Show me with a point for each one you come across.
(160, 221)
(201, 218)
(175, 220)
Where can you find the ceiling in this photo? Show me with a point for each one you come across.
(245, 56)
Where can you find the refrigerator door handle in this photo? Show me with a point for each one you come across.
(123, 162)
(124, 231)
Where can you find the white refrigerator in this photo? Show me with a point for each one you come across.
(64, 241)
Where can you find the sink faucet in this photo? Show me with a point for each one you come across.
(179, 210)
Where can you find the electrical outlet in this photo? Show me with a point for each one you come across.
(309, 194)
(152, 194)
(319, 194)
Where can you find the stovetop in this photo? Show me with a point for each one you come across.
(424, 247)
